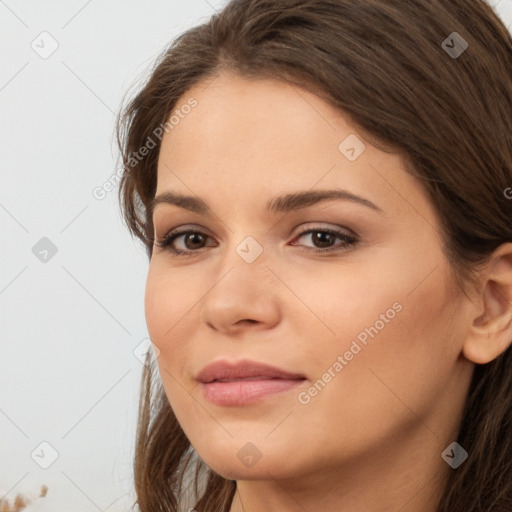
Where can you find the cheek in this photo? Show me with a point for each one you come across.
(398, 352)
(157, 305)
(333, 303)
(167, 304)
(393, 325)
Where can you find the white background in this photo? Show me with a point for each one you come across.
(69, 326)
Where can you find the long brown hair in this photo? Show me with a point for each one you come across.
(406, 81)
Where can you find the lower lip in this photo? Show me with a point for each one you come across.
(244, 392)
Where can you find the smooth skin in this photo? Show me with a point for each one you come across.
(372, 438)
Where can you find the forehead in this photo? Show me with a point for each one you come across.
(236, 116)
(247, 137)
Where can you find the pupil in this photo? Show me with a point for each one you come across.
(193, 238)
(323, 239)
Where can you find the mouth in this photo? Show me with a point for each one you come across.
(236, 384)
(244, 379)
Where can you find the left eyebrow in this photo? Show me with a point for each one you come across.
(299, 200)
(285, 203)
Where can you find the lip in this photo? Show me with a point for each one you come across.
(234, 384)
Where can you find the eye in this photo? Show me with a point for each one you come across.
(324, 240)
(185, 242)
(188, 242)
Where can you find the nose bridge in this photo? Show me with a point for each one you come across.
(242, 267)
(245, 239)
(244, 288)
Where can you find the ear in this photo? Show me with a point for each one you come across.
(491, 331)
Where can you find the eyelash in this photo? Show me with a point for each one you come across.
(348, 241)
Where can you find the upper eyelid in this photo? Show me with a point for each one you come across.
(194, 228)
(182, 230)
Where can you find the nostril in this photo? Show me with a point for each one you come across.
(248, 321)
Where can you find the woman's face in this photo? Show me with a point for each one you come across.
(312, 254)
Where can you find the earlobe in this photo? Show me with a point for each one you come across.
(491, 331)
(489, 340)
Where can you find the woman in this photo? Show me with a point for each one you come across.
(323, 189)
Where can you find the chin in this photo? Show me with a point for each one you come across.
(246, 463)
(233, 472)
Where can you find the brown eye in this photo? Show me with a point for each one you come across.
(193, 241)
(324, 240)
(184, 242)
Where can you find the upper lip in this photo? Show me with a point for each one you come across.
(246, 369)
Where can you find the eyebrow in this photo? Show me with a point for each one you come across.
(285, 203)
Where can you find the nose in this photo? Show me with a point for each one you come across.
(243, 296)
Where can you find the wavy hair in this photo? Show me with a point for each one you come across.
(388, 66)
